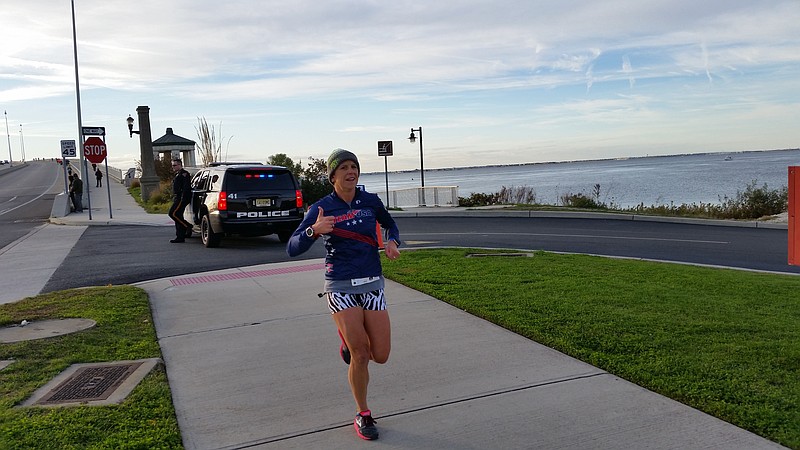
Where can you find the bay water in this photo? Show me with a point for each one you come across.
(655, 180)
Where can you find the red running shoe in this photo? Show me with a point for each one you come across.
(365, 426)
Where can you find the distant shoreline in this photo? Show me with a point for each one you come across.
(623, 158)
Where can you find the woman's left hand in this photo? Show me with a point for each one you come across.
(391, 250)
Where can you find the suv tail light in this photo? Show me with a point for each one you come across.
(298, 195)
(222, 202)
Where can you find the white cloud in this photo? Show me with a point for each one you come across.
(371, 67)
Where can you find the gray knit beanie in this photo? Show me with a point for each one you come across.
(339, 156)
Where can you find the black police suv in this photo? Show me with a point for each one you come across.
(249, 199)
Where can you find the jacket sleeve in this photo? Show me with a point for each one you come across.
(387, 222)
(299, 242)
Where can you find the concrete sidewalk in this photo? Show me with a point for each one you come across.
(252, 360)
(124, 209)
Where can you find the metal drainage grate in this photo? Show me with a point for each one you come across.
(89, 384)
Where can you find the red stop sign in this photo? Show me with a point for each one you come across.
(94, 149)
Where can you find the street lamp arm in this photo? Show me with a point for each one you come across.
(413, 138)
(130, 121)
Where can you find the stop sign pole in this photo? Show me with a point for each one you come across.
(95, 151)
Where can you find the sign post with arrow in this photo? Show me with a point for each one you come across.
(93, 131)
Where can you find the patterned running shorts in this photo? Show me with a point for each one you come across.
(370, 301)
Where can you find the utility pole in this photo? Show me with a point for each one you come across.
(21, 143)
(10, 158)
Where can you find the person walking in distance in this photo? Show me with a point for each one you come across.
(98, 174)
(181, 195)
(346, 221)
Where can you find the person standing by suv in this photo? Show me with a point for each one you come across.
(181, 195)
(346, 220)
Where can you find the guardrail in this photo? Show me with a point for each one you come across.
(446, 196)
(115, 174)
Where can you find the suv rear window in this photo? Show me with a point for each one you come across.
(258, 180)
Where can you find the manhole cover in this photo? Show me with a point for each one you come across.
(93, 384)
(89, 383)
(44, 329)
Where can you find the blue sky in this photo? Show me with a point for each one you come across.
(499, 82)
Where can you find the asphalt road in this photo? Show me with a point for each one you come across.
(26, 197)
(748, 248)
(129, 254)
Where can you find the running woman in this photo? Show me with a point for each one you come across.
(346, 221)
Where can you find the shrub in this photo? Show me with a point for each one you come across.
(478, 199)
(159, 201)
(314, 181)
(755, 202)
(162, 195)
(581, 201)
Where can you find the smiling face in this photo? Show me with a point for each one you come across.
(346, 175)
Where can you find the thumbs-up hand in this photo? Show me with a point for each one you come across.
(324, 224)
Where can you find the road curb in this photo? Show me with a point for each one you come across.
(500, 213)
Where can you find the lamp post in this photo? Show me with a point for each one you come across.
(84, 171)
(10, 158)
(130, 121)
(149, 180)
(413, 138)
(21, 143)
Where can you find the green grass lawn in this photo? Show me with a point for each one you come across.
(124, 331)
(726, 342)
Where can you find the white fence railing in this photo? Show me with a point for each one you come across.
(428, 196)
(113, 173)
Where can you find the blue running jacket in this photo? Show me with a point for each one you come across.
(351, 248)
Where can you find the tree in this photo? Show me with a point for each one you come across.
(209, 143)
(314, 181)
(163, 168)
(284, 161)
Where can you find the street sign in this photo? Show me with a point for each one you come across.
(93, 131)
(94, 149)
(385, 148)
(68, 149)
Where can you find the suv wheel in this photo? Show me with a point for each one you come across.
(210, 239)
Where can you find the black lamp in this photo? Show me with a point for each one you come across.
(413, 138)
(130, 121)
